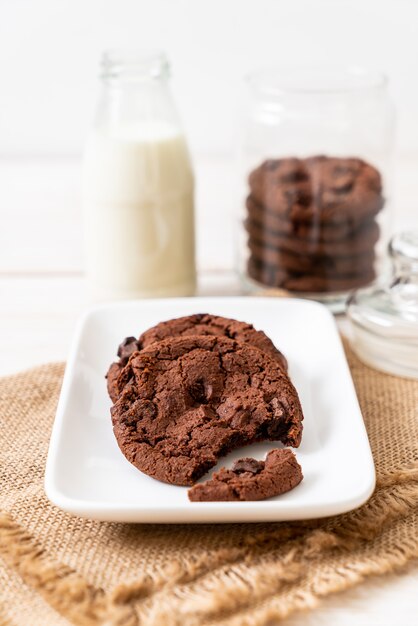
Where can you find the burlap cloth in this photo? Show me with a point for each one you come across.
(56, 569)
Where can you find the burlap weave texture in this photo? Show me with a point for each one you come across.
(56, 569)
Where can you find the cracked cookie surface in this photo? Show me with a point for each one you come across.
(249, 479)
(198, 324)
(187, 401)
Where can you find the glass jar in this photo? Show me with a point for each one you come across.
(315, 165)
(138, 185)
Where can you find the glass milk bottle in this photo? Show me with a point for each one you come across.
(138, 186)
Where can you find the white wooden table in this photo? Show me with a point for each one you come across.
(42, 293)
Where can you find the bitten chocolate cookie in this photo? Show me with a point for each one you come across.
(187, 401)
(251, 480)
(328, 189)
(198, 324)
(304, 282)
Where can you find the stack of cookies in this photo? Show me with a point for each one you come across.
(190, 390)
(311, 223)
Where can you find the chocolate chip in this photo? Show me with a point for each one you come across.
(128, 346)
(248, 465)
(201, 391)
(298, 196)
(294, 177)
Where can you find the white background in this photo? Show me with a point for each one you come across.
(49, 58)
(49, 52)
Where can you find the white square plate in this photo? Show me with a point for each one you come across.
(86, 473)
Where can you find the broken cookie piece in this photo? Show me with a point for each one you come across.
(250, 479)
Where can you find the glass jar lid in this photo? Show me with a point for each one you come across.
(384, 320)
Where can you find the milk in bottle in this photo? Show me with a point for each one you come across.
(138, 186)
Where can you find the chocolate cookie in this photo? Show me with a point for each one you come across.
(187, 401)
(306, 283)
(198, 324)
(363, 241)
(268, 222)
(251, 480)
(313, 264)
(327, 189)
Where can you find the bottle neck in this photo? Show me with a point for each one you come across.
(135, 94)
(133, 67)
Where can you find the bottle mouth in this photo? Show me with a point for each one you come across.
(133, 65)
(315, 81)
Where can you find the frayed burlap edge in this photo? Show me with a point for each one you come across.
(227, 581)
(260, 580)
